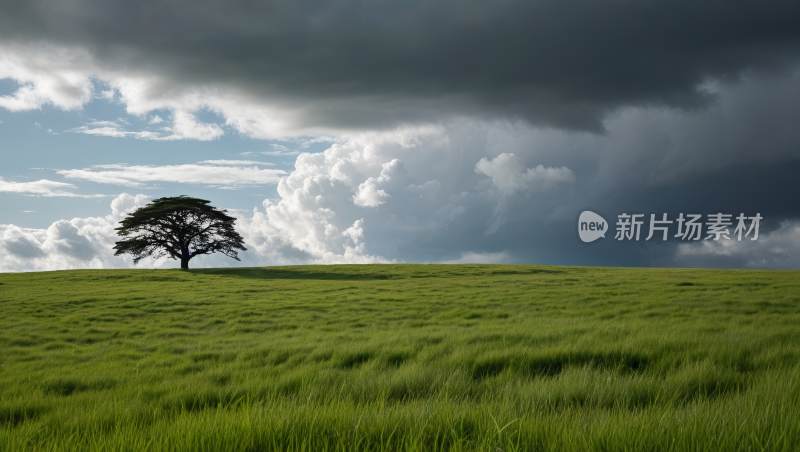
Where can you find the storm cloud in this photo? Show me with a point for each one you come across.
(314, 66)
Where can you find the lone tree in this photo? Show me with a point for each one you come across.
(180, 228)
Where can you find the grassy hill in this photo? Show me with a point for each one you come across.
(400, 357)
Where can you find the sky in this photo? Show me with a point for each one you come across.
(406, 130)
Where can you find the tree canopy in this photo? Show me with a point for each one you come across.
(180, 228)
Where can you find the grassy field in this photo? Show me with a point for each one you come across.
(401, 357)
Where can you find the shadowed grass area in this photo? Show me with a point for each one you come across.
(368, 272)
(400, 357)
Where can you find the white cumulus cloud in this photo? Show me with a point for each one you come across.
(69, 244)
(370, 193)
(328, 207)
(509, 174)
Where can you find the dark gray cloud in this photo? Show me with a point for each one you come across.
(357, 64)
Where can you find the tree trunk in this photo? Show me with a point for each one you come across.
(184, 263)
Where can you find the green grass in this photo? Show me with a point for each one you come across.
(400, 357)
